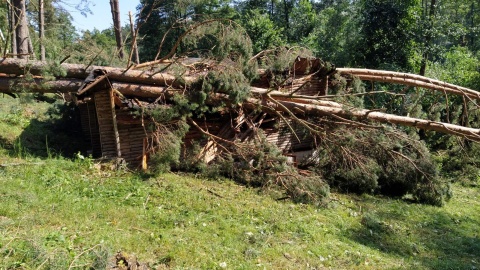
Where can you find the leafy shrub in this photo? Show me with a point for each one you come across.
(256, 165)
(305, 189)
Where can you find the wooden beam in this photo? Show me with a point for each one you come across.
(114, 119)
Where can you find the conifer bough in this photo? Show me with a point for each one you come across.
(147, 84)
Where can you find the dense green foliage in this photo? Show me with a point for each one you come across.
(380, 161)
(438, 38)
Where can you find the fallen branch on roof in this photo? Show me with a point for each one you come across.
(19, 67)
(146, 84)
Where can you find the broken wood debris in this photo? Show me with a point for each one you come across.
(303, 93)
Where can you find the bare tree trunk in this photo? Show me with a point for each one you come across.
(41, 29)
(428, 38)
(21, 29)
(15, 66)
(318, 110)
(409, 79)
(134, 40)
(31, 50)
(117, 26)
(13, 32)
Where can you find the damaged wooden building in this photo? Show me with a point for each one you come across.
(114, 129)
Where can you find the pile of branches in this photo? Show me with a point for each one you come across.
(346, 150)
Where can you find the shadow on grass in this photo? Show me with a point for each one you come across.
(59, 134)
(436, 240)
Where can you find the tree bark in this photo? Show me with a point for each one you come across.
(267, 101)
(31, 50)
(134, 39)
(117, 25)
(41, 28)
(76, 71)
(18, 67)
(21, 29)
(12, 85)
(317, 110)
(428, 38)
(409, 79)
(13, 30)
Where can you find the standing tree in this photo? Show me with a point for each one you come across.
(21, 28)
(59, 34)
(41, 28)
(12, 29)
(117, 26)
(386, 34)
(336, 32)
(134, 40)
(163, 22)
(4, 29)
(428, 37)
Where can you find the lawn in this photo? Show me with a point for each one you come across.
(57, 213)
(66, 213)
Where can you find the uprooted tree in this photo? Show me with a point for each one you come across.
(358, 145)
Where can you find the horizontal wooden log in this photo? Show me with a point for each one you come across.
(307, 109)
(20, 67)
(411, 80)
(15, 85)
(12, 85)
(136, 81)
(145, 84)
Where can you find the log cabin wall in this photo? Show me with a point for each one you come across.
(312, 87)
(131, 133)
(105, 124)
(132, 136)
(102, 124)
(281, 136)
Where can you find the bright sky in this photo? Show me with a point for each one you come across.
(102, 16)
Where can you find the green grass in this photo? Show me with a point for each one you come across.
(33, 128)
(57, 213)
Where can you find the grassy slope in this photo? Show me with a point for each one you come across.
(56, 213)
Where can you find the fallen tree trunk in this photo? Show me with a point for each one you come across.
(20, 67)
(17, 85)
(144, 84)
(409, 79)
(76, 71)
(283, 103)
(14, 85)
(318, 110)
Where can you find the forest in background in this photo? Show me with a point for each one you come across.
(439, 39)
(435, 38)
(74, 212)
